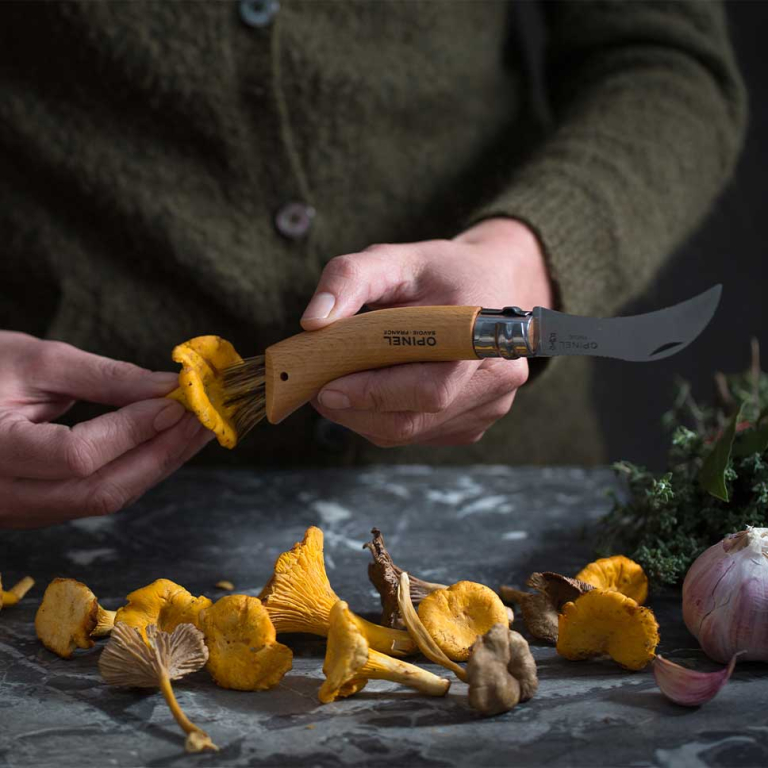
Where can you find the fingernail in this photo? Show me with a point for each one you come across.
(320, 307)
(169, 416)
(333, 399)
(165, 379)
(192, 427)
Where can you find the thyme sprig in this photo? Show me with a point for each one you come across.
(715, 483)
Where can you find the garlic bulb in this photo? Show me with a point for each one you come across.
(725, 597)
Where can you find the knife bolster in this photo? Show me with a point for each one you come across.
(509, 333)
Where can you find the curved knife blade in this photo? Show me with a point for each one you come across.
(640, 338)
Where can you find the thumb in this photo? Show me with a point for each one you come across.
(380, 274)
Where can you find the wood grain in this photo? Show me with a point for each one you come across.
(299, 367)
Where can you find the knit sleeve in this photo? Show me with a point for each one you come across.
(649, 116)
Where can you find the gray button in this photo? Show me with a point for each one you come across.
(258, 13)
(294, 220)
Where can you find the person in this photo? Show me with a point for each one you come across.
(175, 169)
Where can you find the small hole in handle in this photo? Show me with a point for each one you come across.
(283, 376)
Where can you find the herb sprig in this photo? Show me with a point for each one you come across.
(715, 483)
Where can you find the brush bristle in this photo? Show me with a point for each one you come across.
(244, 390)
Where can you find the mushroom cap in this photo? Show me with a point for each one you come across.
(541, 609)
(619, 573)
(300, 572)
(345, 656)
(299, 598)
(201, 384)
(66, 617)
(134, 660)
(163, 603)
(241, 640)
(605, 621)
(456, 616)
(385, 576)
(501, 671)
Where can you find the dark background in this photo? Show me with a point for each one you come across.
(729, 249)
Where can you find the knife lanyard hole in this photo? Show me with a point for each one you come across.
(283, 376)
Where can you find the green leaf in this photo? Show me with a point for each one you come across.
(753, 441)
(712, 474)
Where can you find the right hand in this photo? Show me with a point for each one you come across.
(50, 473)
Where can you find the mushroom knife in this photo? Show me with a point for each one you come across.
(298, 367)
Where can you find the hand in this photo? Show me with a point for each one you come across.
(496, 263)
(49, 472)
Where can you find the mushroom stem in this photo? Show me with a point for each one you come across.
(350, 662)
(105, 620)
(512, 595)
(197, 738)
(152, 660)
(418, 631)
(386, 640)
(382, 667)
(17, 591)
(423, 588)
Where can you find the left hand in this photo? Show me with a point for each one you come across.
(496, 263)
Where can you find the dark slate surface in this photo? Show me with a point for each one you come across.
(489, 524)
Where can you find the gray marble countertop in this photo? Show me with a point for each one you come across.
(488, 524)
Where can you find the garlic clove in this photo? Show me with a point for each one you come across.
(688, 687)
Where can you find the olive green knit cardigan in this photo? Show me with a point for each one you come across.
(146, 148)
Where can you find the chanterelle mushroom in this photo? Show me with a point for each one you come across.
(604, 621)
(131, 660)
(350, 663)
(243, 651)
(418, 631)
(385, 576)
(70, 616)
(163, 603)
(501, 671)
(16, 592)
(618, 573)
(299, 598)
(541, 608)
(457, 616)
(201, 384)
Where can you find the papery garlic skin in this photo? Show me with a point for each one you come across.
(725, 597)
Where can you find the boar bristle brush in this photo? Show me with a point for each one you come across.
(244, 392)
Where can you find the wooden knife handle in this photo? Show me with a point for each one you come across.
(299, 367)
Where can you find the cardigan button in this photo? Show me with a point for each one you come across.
(294, 220)
(258, 13)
